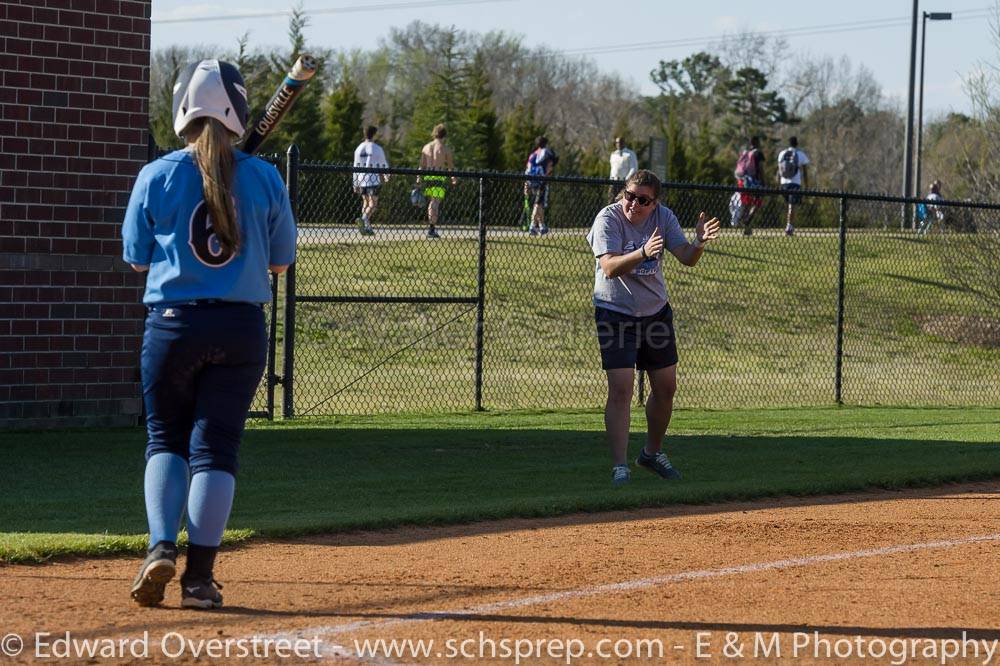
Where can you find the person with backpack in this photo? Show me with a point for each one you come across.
(750, 174)
(793, 175)
(540, 163)
(928, 213)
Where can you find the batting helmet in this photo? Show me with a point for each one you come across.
(213, 89)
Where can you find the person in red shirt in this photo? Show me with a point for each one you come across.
(749, 174)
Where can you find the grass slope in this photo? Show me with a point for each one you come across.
(756, 324)
(81, 492)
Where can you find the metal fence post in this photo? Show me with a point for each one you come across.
(292, 182)
(841, 276)
(272, 336)
(481, 302)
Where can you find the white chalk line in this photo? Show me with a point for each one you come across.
(624, 586)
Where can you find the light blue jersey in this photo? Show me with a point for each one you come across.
(167, 228)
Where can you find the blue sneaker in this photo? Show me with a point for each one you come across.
(659, 464)
(620, 475)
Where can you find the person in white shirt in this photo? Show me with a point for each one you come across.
(624, 163)
(793, 174)
(369, 154)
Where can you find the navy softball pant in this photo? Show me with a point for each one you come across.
(201, 364)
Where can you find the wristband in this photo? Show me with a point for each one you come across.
(698, 242)
(642, 249)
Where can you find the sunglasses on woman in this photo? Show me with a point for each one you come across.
(631, 196)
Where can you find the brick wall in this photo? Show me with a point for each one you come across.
(73, 128)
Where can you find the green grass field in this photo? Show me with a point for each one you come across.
(756, 324)
(80, 492)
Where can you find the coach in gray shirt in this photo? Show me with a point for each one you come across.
(635, 326)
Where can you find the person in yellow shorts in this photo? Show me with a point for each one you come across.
(436, 156)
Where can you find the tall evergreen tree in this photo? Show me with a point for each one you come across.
(697, 76)
(591, 163)
(753, 109)
(303, 124)
(260, 81)
(520, 131)
(344, 115)
(485, 142)
(441, 102)
(677, 164)
(701, 162)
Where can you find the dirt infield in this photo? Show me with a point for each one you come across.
(800, 578)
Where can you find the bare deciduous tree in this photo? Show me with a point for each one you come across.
(852, 134)
(981, 159)
(973, 259)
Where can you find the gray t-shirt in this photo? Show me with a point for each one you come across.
(641, 292)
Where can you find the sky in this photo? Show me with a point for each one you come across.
(630, 38)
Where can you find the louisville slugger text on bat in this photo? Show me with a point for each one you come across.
(295, 81)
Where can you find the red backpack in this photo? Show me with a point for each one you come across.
(745, 165)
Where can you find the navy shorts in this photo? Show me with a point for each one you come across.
(201, 365)
(792, 197)
(646, 343)
(371, 191)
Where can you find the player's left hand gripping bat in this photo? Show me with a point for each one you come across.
(295, 81)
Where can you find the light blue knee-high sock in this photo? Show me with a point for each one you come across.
(209, 502)
(166, 490)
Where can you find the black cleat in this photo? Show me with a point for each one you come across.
(157, 570)
(200, 593)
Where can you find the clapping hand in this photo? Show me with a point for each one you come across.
(707, 231)
(653, 246)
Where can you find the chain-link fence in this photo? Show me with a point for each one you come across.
(868, 302)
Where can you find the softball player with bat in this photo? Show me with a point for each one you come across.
(208, 222)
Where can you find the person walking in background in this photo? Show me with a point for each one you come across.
(793, 173)
(749, 174)
(624, 163)
(541, 162)
(207, 222)
(927, 214)
(634, 320)
(436, 155)
(369, 154)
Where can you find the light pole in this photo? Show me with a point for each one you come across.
(934, 16)
(908, 141)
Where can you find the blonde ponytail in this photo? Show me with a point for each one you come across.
(213, 153)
